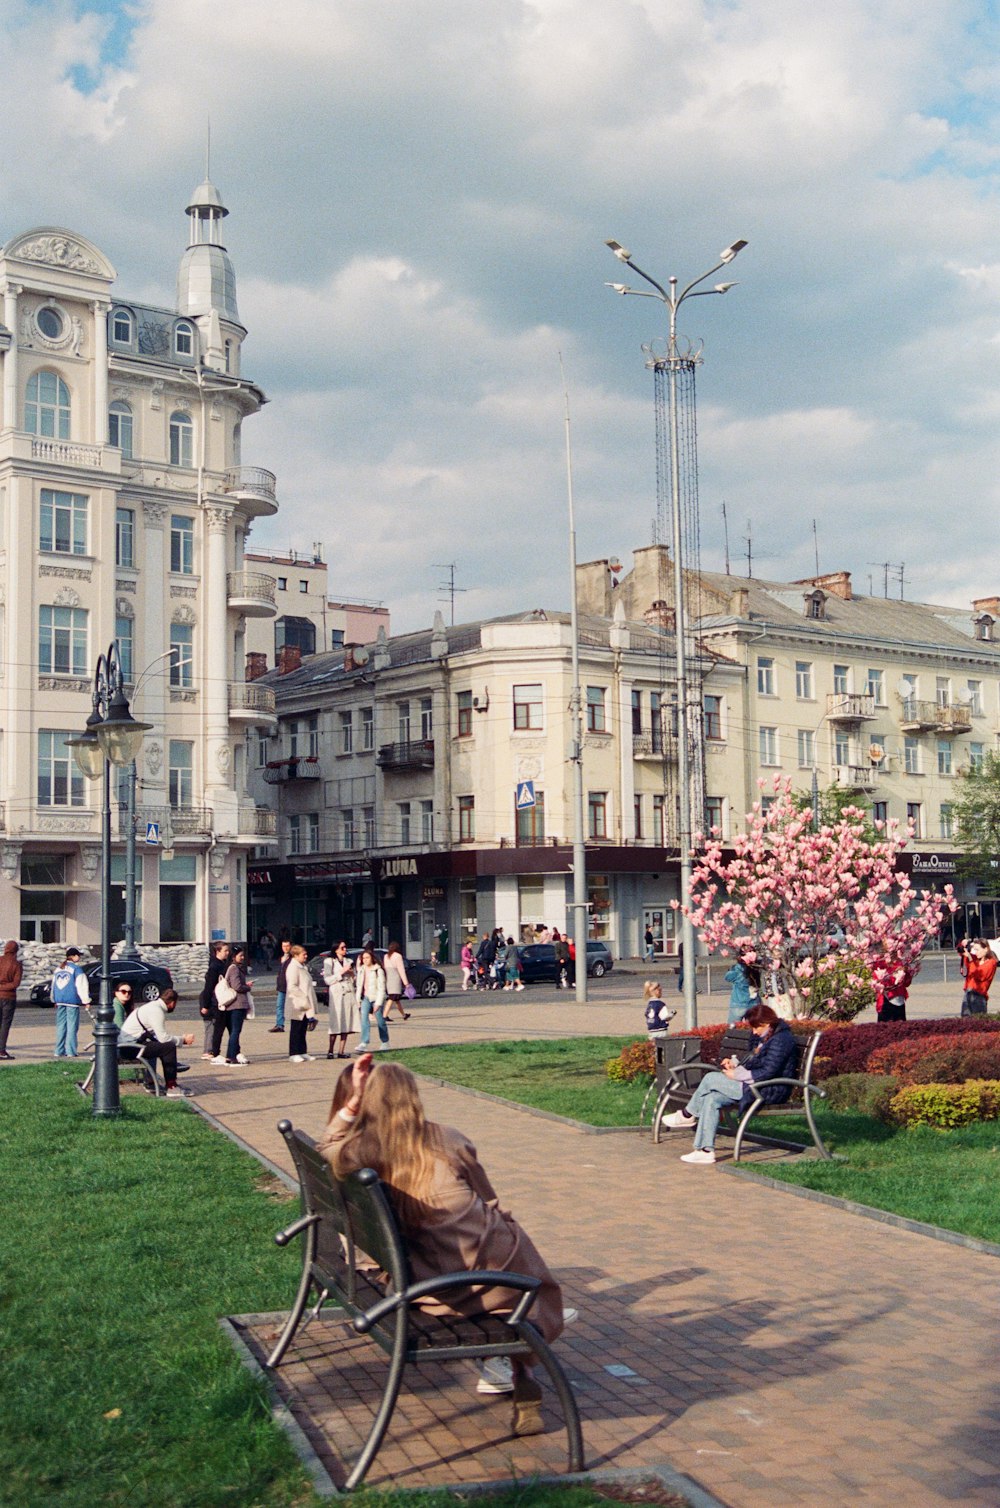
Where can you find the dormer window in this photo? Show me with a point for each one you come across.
(121, 327)
(984, 628)
(815, 604)
(183, 339)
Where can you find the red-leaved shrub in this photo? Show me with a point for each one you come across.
(949, 1059)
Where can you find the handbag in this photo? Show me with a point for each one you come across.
(409, 993)
(145, 1036)
(224, 993)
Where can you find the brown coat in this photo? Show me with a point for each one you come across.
(472, 1231)
(10, 972)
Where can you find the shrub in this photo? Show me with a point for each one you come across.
(868, 1093)
(846, 1049)
(841, 993)
(946, 1105)
(948, 1059)
(635, 1061)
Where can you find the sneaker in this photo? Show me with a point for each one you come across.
(361, 1047)
(569, 1315)
(206, 1057)
(231, 1062)
(297, 1058)
(380, 1047)
(701, 1155)
(496, 1375)
(527, 1418)
(241, 1059)
(220, 1059)
(678, 1120)
(173, 1093)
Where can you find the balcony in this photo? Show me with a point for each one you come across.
(935, 717)
(251, 703)
(298, 767)
(251, 593)
(254, 487)
(850, 707)
(652, 746)
(258, 822)
(406, 756)
(190, 819)
(854, 777)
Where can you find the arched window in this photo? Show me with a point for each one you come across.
(121, 327)
(46, 406)
(181, 430)
(120, 428)
(183, 339)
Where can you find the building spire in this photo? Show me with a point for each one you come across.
(206, 282)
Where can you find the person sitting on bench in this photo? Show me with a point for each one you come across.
(146, 1027)
(772, 1058)
(446, 1205)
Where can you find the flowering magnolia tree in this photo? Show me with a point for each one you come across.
(808, 902)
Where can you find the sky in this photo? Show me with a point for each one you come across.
(419, 196)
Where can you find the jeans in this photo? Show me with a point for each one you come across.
(366, 1023)
(973, 1004)
(279, 1008)
(67, 1026)
(7, 1009)
(714, 1092)
(235, 1017)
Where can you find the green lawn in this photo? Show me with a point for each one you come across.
(565, 1077)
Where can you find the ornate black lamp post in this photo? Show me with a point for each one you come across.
(112, 737)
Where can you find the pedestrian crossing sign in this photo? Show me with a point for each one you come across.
(525, 795)
(152, 833)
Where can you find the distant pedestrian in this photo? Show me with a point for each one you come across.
(239, 1007)
(468, 964)
(367, 938)
(744, 980)
(443, 944)
(658, 1014)
(338, 972)
(562, 961)
(396, 981)
(302, 1008)
(281, 986)
(10, 978)
(70, 990)
(649, 944)
(370, 994)
(892, 981)
(208, 1006)
(513, 967)
(978, 968)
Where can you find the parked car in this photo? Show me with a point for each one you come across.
(426, 981)
(148, 980)
(538, 962)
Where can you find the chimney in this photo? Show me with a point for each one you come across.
(256, 665)
(289, 658)
(660, 613)
(836, 584)
(739, 603)
(989, 605)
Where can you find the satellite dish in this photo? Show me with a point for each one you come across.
(361, 657)
(904, 688)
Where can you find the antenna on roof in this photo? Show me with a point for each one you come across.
(208, 147)
(816, 547)
(725, 531)
(448, 587)
(898, 573)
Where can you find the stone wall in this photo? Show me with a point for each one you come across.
(187, 962)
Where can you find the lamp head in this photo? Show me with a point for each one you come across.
(118, 734)
(618, 287)
(732, 251)
(620, 251)
(87, 749)
(724, 287)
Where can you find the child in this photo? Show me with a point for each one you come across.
(658, 1014)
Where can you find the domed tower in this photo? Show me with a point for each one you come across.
(205, 278)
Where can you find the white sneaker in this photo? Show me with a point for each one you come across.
(219, 1059)
(296, 1058)
(241, 1059)
(173, 1093)
(496, 1375)
(701, 1155)
(309, 1057)
(379, 1047)
(679, 1119)
(361, 1047)
(570, 1315)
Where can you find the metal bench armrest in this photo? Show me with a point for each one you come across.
(527, 1287)
(757, 1084)
(290, 1232)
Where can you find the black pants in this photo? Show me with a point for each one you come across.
(166, 1052)
(297, 1037)
(893, 1010)
(973, 1004)
(7, 1009)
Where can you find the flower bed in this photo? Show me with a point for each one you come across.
(948, 1059)
(847, 1049)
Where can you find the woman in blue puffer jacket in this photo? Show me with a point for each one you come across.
(745, 981)
(772, 1058)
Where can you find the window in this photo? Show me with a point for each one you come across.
(403, 807)
(368, 818)
(62, 641)
(911, 755)
(182, 649)
(914, 812)
(947, 820)
(124, 629)
(713, 814)
(765, 675)
(977, 756)
(841, 680)
(294, 633)
(984, 628)
(347, 828)
(880, 812)
(426, 718)
(804, 680)
(768, 745)
(368, 728)
(841, 747)
(311, 832)
(303, 586)
(296, 744)
(295, 834)
(181, 430)
(466, 818)
(807, 749)
(60, 781)
(876, 687)
(263, 749)
(120, 428)
(527, 707)
(124, 537)
(62, 522)
(121, 327)
(944, 756)
(463, 704)
(346, 732)
(636, 713)
(282, 583)
(529, 821)
(312, 735)
(656, 721)
(596, 716)
(713, 718)
(908, 686)
(180, 773)
(336, 638)
(183, 339)
(181, 544)
(976, 698)
(50, 322)
(942, 690)
(403, 722)
(46, 406)
(597, 814)
(637, 805)
(427, 822)
(659, 822)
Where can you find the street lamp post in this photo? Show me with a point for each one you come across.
(130, 950)
(112, 737)
(673, 363)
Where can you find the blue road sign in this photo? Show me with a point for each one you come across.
(153, 834)
(525, 795)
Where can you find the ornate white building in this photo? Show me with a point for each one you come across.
(124, 511)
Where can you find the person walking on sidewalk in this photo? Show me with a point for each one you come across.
(10, 978)
(338, 972)
(70, 990)
(649, 944)
(281, 986)
(370, 994)
(396, 981)
(562, 962)
(978, 968)
(146, 1026)
(301, 999)
(513, 968)
(468, 964)
(238, 1007)
(208, 1007)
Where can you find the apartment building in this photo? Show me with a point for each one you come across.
(124, 509)
(307, 619)
(425, 779)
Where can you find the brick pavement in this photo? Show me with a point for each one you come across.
(784, 1352)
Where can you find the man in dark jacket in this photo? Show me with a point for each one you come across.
(772, 1058)
(208, 1009)
(281, 985)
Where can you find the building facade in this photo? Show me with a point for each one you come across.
(124, 510)
(306, 618)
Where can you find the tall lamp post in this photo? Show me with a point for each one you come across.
(674, 361)
(112, 737)
(130, 950)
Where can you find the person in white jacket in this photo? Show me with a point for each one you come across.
(370, 991)
(147, 1026)
(300, 1004)
(338, 972)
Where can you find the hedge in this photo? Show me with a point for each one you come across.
(868, 1093)
(945, 1106)
(948, 1059)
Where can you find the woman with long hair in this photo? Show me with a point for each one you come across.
(370, 994)
(239, 1007)
(300, 1000)
(396, 981)
(445, 1204)
(338, 971)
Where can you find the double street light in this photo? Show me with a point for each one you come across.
(673, 363)
(111, 737)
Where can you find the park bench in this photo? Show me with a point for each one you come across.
(132, 1057)
(354, 1253)
(678, 1075)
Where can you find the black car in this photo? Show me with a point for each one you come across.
(148, 980)
(426, 981)
(538, 962)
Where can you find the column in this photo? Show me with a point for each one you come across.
(10, 389)
(154, 642)
(100, 372)
(218, 753)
